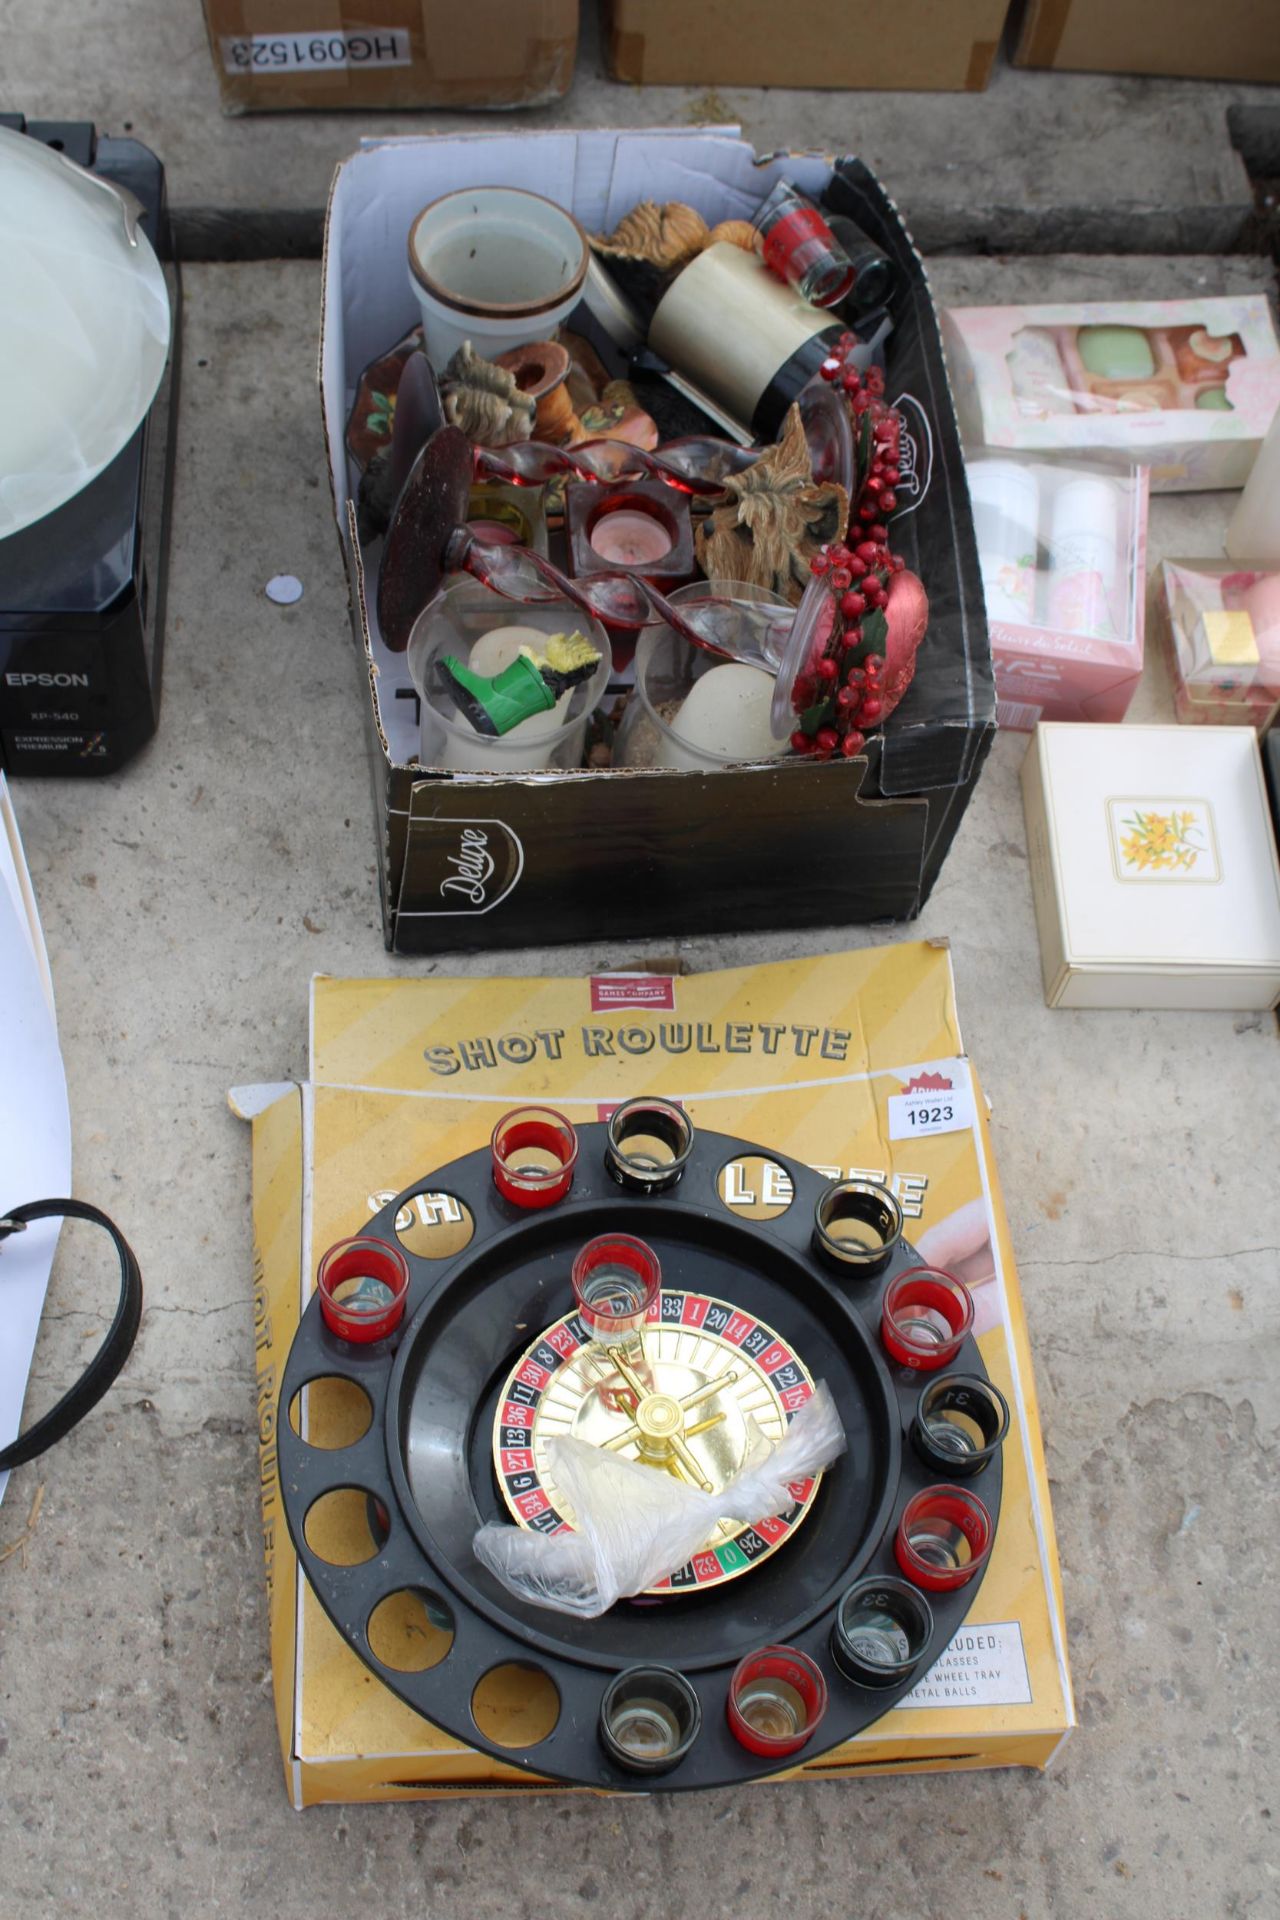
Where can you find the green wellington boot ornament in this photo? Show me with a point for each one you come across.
(532, 684)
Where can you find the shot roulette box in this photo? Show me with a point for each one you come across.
(401, 1668)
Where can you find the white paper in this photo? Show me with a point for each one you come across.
(981, 1667)
(35, 1126)
(914, 1115)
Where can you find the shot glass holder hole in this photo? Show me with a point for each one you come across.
(648, 1119)
(877, 1613)
(650, 1702)
(362, 1285)
(528, 1130)
(873, 1208)
(964, 1445)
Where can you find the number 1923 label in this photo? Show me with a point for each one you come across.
(923, 1111)
(319, 52)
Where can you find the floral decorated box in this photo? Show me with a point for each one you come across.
(1153, 867)
(1221, 624)
(1185, 387)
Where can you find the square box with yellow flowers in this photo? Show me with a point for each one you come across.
(1153, 867)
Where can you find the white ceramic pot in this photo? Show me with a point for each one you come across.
(496, 266)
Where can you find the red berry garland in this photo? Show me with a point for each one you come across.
(839, 694)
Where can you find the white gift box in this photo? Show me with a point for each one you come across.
(1153, 867)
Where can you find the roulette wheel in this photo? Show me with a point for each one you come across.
(609, 1294)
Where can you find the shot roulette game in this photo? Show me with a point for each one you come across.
(608, 1293)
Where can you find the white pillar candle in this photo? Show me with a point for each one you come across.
(725, 714)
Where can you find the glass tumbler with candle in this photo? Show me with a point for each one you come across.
(485, 633)
(692, 711)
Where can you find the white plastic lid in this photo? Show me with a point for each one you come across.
(84, 329)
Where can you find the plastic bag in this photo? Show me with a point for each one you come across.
(636, 1525)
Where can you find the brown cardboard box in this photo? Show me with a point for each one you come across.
(662, 848)
(1240, 40)
(272, 54)
(932, 44)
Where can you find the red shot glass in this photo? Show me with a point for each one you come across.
(362, 1285)
(801, 249)
(615, 1283)
(926, 1317)
(534, 1153)
(777, 1697)
(944, 1538)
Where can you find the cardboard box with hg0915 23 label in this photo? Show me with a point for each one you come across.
(272, 54)
(510, 859)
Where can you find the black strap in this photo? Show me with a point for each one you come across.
(111, 1355)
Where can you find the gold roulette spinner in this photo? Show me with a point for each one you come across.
(688, 1396)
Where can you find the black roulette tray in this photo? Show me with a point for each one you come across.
(426, 1464)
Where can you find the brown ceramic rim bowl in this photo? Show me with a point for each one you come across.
(498, 309)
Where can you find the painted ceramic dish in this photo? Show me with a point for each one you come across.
(374, 409)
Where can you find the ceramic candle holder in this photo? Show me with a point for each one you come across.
(496, 266)
(485, 633)
(641, 527)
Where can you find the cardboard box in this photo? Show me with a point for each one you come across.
(1187, 388)
(1153, 867)
(1221, 626)
(1067, 638)
(787, 843)
(273, 54)
(1240, 40)
(408, 1074)
(929, 44)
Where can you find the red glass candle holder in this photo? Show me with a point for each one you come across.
(615, 1282)
(534, 1153)
(944, 1538)
(777, 1697)
(642, 527)
(362, 1285)
(926, 1318)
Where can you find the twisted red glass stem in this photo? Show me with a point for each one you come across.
(743, 630)
(696, 465)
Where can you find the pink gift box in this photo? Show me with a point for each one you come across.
(1192, 404)
(1228, 675)
(1063, 557)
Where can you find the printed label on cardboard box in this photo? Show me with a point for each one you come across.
(319, 52)
(611, 992)
(931, 1103)
(469, 866)
(982, 1667)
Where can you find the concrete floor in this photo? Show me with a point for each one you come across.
(187, 901)
(1040, 163)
